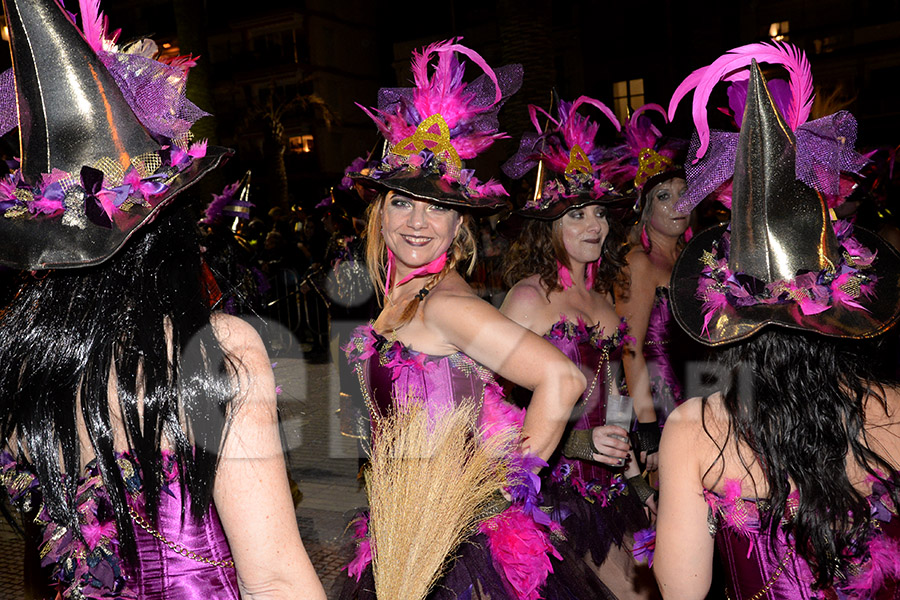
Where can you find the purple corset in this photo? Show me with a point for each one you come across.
(591, 351)
(401, 376)
(92, 568)
(663, 339)
(754, 571)
(514, 547)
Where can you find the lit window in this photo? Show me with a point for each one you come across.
(300, 144)
(627, 95)
(779, 31)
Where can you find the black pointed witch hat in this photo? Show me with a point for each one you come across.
(781, 260)
(91, 173)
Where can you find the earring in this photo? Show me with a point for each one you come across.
(565, 277)
(645, 239)
(688, 234)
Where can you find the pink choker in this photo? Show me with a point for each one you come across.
(431, 268)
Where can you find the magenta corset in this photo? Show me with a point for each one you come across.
(662, 341)
(93, 569)
(591, 350)
(753, 572)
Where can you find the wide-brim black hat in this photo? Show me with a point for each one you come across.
(781, 234)
(415, 182)
(104, 141)
(49, 244)
(732, 324)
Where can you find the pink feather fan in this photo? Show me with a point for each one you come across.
(730, 67)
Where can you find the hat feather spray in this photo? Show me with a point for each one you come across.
(430, 129)
(572, 171)
(824, 146)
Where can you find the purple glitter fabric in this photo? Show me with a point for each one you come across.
(153, 90)
(824, 150)
(526, 158)
(509, 78)
(9, 116)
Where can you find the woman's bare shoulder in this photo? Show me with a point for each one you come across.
(246, 350)
(528, 293)
(699, 423)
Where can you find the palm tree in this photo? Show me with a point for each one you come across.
(269, 114)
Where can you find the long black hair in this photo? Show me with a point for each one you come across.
(797, 400)
(139, 321)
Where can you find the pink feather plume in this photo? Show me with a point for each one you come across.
(729, 67)
(444, 91)
(638, 136)
(575, 129)
(93, 22)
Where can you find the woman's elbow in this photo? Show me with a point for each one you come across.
(279, 590)
(571, 382)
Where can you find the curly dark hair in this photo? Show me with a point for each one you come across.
(800, 427)
(539, 246)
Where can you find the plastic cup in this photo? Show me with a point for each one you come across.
(620, 412)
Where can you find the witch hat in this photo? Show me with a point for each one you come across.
(781, 260)
(569, 160)
(91, 173)
(432, 128)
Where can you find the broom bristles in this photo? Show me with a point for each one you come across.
(427, 480)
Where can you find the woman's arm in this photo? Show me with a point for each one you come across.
(251, 492)
(526, 304)
(683, 558)
(635, 304)
(479, 330)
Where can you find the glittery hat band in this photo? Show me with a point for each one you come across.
(848, 283)
(98, 193)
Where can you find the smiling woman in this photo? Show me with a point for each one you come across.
(419, 232)
(562, 270)
(657, 182)
(435, 350)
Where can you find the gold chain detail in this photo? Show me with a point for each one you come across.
(604, 360)
(768, 585)
(364, 388)
(174, 546)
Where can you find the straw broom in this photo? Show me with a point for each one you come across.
(427, 482)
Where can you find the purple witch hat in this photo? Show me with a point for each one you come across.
(432, 128)
(781, 260)
(104, 138)
(570, 161)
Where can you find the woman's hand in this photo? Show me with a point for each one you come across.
(611, 442)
